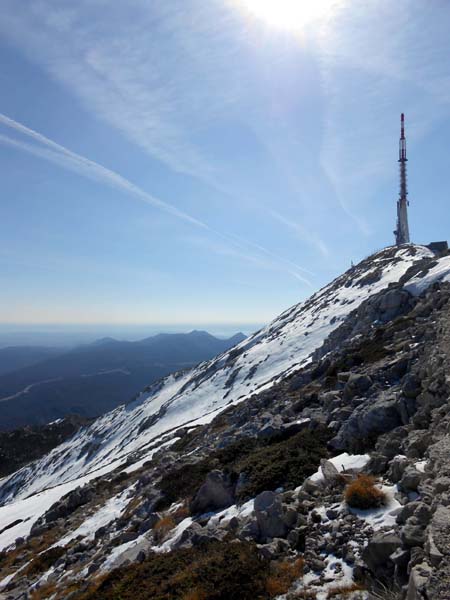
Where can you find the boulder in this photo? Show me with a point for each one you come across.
(377, 553)
(417, 581)
(442, 484)
(411, 386)
(330, 473)
(411, 479)
(397, 467)
(417, 443)
(269, 516)
(368, 419)
(392, 303)
(440, 529)
(214, 494)
(413, 533)
(356, 385)
(420, 510)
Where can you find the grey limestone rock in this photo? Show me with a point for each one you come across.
(377, 553)
(215, 493)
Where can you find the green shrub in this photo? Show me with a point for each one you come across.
(268, 464)
(216, 571)
(182, 483)
(285, 463)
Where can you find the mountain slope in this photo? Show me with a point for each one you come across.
(361, 367)
(92, 379)
(133, 431)
(13, 358)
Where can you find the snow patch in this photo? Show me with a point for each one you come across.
(440, 272)
(386, 515)
(343, 462)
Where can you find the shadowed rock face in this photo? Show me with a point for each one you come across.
(214, 494)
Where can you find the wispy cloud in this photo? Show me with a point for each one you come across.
(302, 233)
(268, 261)
(64, 157)
(60, 155)
(138, 68)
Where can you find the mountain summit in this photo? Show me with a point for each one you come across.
(330, 376)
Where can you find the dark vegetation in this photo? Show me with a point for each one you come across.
(19, 447)
(42, 562)
(268, 464)
(212, 571)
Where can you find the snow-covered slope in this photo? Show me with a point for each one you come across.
(132, 432)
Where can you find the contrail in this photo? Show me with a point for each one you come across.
(64, 157)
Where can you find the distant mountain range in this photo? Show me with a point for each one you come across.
(18, 357)
(39, 384)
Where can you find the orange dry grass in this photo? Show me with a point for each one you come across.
(283, 576)
(364, 493)
(180, 514)
(163, 526)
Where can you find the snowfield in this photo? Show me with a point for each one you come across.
(133, 432)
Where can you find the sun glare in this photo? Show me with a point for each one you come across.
(290, 14)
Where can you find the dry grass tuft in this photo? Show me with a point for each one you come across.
(283, 576)
(180, 514)
(363, 493)
(162, 527)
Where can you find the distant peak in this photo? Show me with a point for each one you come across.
(104, 340)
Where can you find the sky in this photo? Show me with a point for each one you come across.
(183, 161)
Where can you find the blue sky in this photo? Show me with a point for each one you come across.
(197, 162)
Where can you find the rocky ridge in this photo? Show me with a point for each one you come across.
(271, 471)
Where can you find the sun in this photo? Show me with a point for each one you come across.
(290, 14)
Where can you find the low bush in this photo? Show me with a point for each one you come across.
(162, 528)
(283, 576)
(213, 571)
(284, 463)
(268, 464)
(364, 493)
(182, 483)
(42, 562)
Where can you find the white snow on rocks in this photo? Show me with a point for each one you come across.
(336, 575)
(224, 516)
(440, 272)
(343, 462)
(113, 508)
(385, 516)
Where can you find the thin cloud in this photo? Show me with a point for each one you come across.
(63, 157)
(302, 233)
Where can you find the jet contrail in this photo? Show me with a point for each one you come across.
(64, 157)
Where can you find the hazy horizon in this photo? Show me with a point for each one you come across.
(72, 334)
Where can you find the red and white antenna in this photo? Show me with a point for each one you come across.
(402, 231)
